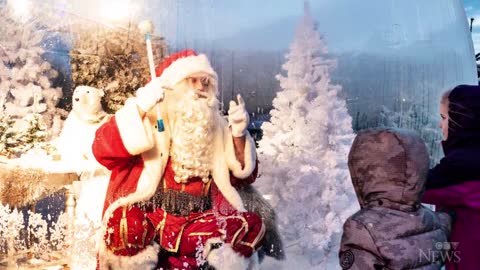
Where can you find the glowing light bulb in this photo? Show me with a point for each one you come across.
(119, 10)
(20, 8)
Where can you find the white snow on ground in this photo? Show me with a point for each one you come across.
(294, 260)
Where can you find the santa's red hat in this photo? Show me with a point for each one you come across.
(183, 64)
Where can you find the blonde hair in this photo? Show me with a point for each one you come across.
(444, 99)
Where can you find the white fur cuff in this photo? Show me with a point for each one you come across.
(225, 258)
(146, 259)
(136, 134)
(250, 158)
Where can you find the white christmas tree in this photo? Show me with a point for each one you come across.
(29, 132)
(303, 153)
(7, 134)
(11, 225)
(25, 77)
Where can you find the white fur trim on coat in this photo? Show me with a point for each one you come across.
(221, 172)
(186, 66)
(146, 259)
(225, 258)
(135, 135)
(250, 157)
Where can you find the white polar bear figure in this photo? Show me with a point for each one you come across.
(75, 147)
(74, 143)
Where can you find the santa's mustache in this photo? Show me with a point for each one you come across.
(204, 96)
(201, 94)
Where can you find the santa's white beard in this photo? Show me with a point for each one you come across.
(192, 137)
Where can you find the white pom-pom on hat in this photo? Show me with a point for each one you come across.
(146, 27)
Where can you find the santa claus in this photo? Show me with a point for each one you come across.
(172, 200)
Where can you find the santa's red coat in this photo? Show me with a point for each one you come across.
(137, 154)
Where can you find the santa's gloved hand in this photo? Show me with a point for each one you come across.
(149, 95)
(238, 117)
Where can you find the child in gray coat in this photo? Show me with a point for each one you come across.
(392, 230)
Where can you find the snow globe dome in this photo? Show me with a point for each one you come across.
(395, 58)
(392, 51)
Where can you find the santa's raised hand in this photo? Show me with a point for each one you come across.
(150, 94)
(238, 117)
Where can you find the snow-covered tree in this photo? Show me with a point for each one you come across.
(30, 132)
(37, 234)
(25, 77)
(7, 134)
(11, 226)
(21, 230)
(303, 153)
(17, 137)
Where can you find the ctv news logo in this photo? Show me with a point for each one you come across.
(446, 251)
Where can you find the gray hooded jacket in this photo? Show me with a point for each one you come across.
(392, 230)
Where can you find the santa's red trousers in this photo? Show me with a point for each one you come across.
(182, 239)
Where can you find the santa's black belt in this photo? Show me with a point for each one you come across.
(177, 202)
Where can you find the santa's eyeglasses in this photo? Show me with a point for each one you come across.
(205, 81)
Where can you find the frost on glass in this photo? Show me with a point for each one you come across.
(396, 58)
